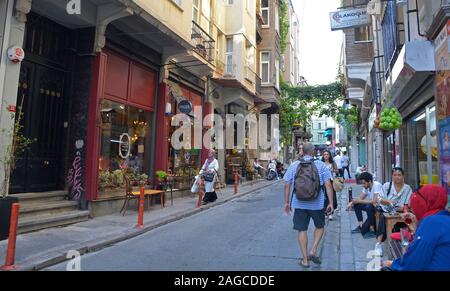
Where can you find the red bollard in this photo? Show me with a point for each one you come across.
(11, 252)
(236, 183)
(141, 209)
(200, 194)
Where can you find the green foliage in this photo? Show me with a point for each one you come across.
(284, 26)
(19, 145)
(299, 104)
(161, 175)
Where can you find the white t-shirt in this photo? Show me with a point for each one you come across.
(376, 188)
(344, 161)
(338, 161)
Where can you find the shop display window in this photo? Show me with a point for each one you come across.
(124, 148)
(423, 149)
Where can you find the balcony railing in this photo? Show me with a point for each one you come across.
(250, 75)
(203, 43)
(258, 85)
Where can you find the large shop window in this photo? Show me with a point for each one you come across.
(184, 164)
(422, 155)
(125, 150)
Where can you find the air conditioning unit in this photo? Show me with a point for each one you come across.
(401, 2)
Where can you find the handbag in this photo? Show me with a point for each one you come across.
(209, 177)
(338, 184)
(195, 187)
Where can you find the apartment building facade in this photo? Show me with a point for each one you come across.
(408, 57)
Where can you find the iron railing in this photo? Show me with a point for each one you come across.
(203, 43)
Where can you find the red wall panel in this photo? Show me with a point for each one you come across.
(116, 76)
(142, 86)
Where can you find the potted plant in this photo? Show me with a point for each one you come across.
(18, 146)
(162, 179)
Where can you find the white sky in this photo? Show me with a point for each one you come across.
(320, 48)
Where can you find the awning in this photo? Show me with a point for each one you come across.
(328, 132)
(415, 63)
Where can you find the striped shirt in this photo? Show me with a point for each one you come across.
(324, 174)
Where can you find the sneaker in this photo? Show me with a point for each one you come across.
(330, 217)
(370, 234)
(379, 249)
(357, 230)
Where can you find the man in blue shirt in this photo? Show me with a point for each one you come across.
(305, 210)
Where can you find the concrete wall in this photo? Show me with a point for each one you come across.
(177, 18)
(15, 29)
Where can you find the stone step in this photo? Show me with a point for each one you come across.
(28, 198)
(47, 208)
(34, 223)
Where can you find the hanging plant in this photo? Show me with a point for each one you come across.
(391, 119)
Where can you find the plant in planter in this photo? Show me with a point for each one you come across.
(162, 178)
(117, 178)
(18, 146)
(105, 180)
(143, 179)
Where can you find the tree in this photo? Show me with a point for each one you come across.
(18, 146)
(300, 103)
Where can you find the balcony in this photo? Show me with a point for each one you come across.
(220, 68)
(258, 85)
(204, 44)
(259, 28)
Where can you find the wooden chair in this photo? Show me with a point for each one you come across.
(128, 195)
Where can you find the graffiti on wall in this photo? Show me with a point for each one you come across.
(75, 175)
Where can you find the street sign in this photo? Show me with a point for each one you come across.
(185, 106)
(349, 18)
(124, 146)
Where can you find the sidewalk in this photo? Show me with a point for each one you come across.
(343, 250)
(44, 248)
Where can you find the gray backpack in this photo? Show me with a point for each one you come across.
(307, 181)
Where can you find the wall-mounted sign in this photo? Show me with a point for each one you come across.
(185, 106)
(16, 54)
(124, 146)
(349, 18)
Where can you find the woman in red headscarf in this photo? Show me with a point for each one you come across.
(430, 250)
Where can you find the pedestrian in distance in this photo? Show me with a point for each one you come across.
(327, 158)
(307, 183)
(345, 161)
(209, 173)
(338, 161)
(366, 202)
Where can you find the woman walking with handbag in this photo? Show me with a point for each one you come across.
(327, 158)
(208, 173)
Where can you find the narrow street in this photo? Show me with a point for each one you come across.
(250, 233)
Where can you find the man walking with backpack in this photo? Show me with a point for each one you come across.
(307, 181)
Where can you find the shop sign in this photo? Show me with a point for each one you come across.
(349, 18)
(124, 146)
(185, 106)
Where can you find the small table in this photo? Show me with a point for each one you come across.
(391, 220)
(150, 192)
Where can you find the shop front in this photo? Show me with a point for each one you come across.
(420, 156)
(184, 164)
(121, 125)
